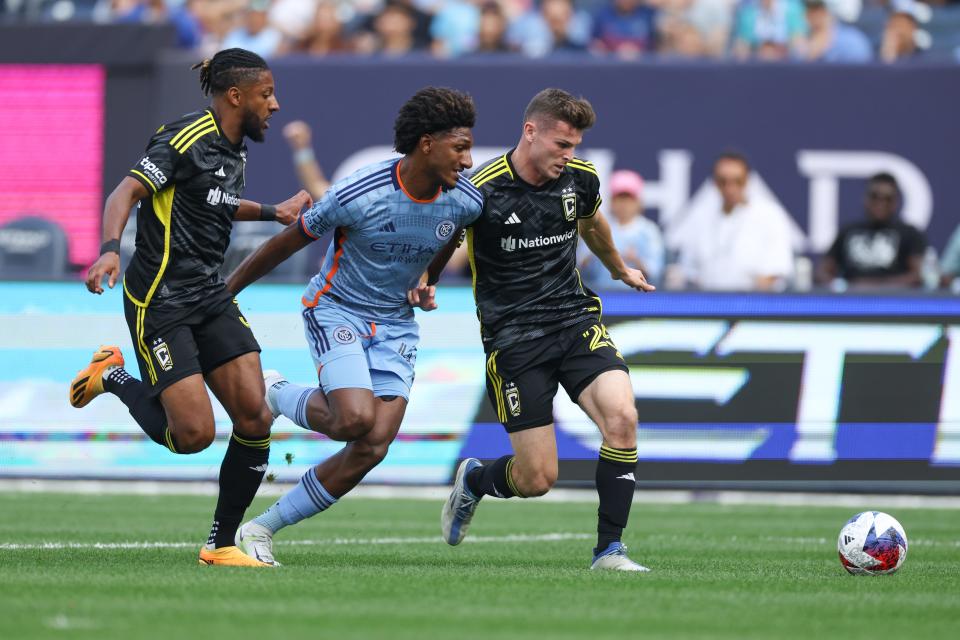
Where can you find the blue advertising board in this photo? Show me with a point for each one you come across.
(749, 387)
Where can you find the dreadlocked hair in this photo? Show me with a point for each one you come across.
(229, 68)
(431, 110)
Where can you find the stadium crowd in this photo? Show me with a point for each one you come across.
(764, 30)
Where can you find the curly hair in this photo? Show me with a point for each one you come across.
(556, 104)
(229, 68)
(431, 110)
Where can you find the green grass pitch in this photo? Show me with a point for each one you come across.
(718, 572)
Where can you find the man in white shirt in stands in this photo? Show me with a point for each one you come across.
(744, 245)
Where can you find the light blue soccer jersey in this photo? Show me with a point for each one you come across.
(383, 238)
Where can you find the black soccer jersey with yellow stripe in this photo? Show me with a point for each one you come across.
(523, 251)
(195, 177)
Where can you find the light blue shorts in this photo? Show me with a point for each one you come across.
(352, 353)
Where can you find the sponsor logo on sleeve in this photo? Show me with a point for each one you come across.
(153, 172)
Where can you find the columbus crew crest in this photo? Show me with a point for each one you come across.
(162, 352)
(569, 199)
(512, 395)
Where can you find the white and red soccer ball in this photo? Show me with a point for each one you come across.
(872, 543)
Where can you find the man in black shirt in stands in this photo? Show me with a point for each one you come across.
(881, 251)
(186, 327)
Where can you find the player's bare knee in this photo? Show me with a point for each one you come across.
(255, 427)
(621, 428)
(193, 438)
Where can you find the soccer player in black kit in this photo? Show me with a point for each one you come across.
(541, 327)
(185, 325)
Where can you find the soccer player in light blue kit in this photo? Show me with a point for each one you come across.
(389, 220)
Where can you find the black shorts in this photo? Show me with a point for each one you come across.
(522, 378)
(172, 344)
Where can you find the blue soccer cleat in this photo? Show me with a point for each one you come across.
(614, 558)
(458, 510)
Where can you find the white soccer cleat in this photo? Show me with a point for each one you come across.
(273, 381)
(614, 558)
(458, 510)
(257, 542)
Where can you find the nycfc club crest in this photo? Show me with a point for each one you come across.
(445, 229)
(512, 395)
(344, 335)
(569, 199)
(162, 352)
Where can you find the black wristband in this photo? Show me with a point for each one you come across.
(268, 212)
(110, 245)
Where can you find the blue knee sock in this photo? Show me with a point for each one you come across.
(306, 499)
(292, 402)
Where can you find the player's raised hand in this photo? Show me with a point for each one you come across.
(297, 134)
(106, 265)
(423, 296)
(636, 279)
(289, 210)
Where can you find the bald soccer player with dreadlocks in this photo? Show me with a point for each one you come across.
(185, 325)
(389, 220)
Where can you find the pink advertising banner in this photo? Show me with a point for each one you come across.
(51, 149)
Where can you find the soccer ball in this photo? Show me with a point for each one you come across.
(872, 543)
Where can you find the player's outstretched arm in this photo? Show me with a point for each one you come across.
(285, 213)
(116, 211)
(595, 231)
(266, 257)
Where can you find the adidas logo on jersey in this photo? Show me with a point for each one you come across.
(388, 227)
(220, 173)
(513, 219)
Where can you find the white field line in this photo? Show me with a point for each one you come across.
(55, 546)
(863, 502)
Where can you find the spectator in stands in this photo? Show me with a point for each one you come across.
(311, 176)
(392, 32)
(694, 28)
(187, 26)
(950, 263)
(680, 39)
(292, 18)
(325, 35)
(902, 34)
(398, 27)
(454, 28)
(492, 30)
(637, 238)
(744, 245)
(832, 41)
(255, 33)
(771, 51)
(769, 23)
(625, 28)
(880, 251)
(555, 27)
